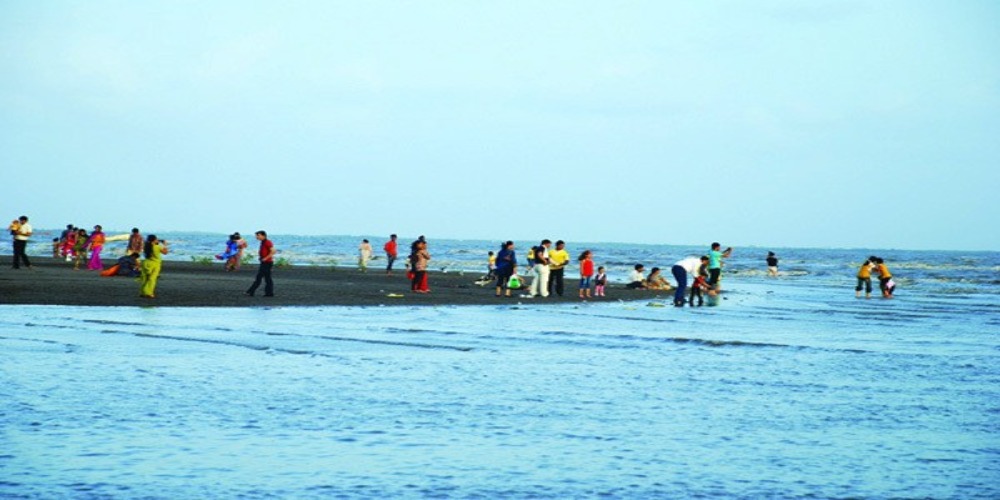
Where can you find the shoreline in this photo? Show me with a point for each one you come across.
(191, 284)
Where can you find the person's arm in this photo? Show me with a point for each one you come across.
(728, 252)
(270, 254)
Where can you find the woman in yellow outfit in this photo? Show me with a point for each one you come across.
(153, 251)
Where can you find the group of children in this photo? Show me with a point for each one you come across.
(875, 265)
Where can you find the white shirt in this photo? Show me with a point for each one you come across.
(23, 233)
(636, 276)
(690, 264)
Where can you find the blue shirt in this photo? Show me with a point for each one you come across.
(714, 259)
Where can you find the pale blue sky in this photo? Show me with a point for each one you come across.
(781, 123)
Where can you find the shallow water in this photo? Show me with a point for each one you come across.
(784, 390)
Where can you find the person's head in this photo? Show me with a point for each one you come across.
(69, 226)
(135, 230)
(600, 269)
(364, 241)
(704, 259)
(261, 235)
(583, 256)
(878, 260)
(81, 231)
(639, 267)
(770, 254)
(491, 253)
(716, 246)
(392, 237)
(23, 219)
(509, 245)
(654, 270)
(97, 228)
(560, 244)
(546, 243)
(234, 237)
(147, 249)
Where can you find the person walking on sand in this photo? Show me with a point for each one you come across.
(149, 272)
(772, 265)
(418, 261)
(231, 253)
(558, 259)
(266, 256)
(586, 273)
(391, 253)
(865, 278)
(21, 230)
(505, 268)
(715, 266)
(364, 255)
(135, 244)
(96, 244)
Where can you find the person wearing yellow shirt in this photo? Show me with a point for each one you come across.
(865, 279)
(885, 282)
(558, 259)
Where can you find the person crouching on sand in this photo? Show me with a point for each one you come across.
(149, 273)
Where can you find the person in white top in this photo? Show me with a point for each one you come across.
(681, 270)
(364, 255)
(637, 280)
(21, 232)
(540, 285)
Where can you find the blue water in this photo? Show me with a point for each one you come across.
(791, 387)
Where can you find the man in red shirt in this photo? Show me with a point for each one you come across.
(390, 253)
(266, 254)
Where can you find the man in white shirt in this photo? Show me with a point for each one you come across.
(637, 280)
(21, 236)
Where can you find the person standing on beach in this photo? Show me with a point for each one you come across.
(540, 285)
(96, 244)
(418, 261)
(135, 244)
(64, 240)
(715, 266)
(391, 253)
(558, 259)
(80, 248)
(586, 273)
(505, 268)
(22, 233)
(266, 256)
(149, 272)
(364, 255)
(772, 265)
(600, 281)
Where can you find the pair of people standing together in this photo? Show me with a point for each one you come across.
(549, 268)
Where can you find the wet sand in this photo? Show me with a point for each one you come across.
(189, 284)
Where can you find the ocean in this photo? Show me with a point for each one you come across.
(790, 388)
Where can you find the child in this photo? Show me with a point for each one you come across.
(699, 285)
(586, 273)
(865, 279)
(55, 248)
(14, 227)
(600, 281)
(885, 282)
(491, 266)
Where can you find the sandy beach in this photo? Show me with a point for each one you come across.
(189, 284)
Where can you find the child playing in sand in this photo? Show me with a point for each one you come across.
(600, 281)
(586, 273)
(699, 285)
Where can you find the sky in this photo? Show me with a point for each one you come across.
(845, 124)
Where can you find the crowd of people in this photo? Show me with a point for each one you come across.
(544, 275)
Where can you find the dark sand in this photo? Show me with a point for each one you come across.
(188, 284)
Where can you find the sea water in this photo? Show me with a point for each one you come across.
(791, 387)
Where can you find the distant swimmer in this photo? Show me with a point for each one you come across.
(772, 264)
